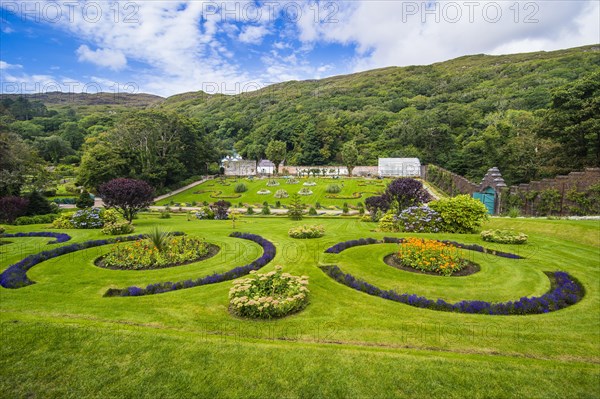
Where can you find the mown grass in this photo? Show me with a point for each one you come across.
(61, 338)
(226, 187)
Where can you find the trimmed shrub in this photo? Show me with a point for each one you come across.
(38, 219)
(460, 214)
(84, 200)
(504, 236)
(272, 183)
(240, 188)
(265, 210)
(309, 183)
(345, 208)
(250, 211)
(305, 191)
(269, 295)
(333, 189)
(292, 181)
(312, 211)
(388, 223)
(307, 231)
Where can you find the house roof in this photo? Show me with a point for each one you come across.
(265, 163)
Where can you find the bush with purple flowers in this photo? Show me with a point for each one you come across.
(419, 219)
(565, 291)
(59, 237)
(88, 219)
(269, 252)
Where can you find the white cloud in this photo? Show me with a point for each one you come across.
(108, 58)
(6, 65)
(253, 34)
(403, 33)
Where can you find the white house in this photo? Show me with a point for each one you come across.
(399, 167)
(265, 167)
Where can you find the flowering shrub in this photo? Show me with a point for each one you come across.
(292, 181)
(205, 213)
(430, 256)
(309, 183)
(272, 183)
(117, 228)
(269, 295)
(566, 291)
(87, 219)
(269, 252)
(307, 231)
(263, 192)
(305, 191)
(419, 219)
(281, 194)
(504, 236)
(143, 254)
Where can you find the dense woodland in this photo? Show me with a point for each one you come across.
(532, 115)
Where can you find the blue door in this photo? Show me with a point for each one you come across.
(488, 198)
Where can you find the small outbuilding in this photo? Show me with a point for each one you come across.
(399, 167)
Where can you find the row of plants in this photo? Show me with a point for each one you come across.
(15, 276)
(565, 292)
(342, 246)
(269, 252)
(108, 220)
(268, 295)
(307, 231)
(59, 238)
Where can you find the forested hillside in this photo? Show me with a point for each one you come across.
(531, 114)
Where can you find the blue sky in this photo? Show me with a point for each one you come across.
(170, 47)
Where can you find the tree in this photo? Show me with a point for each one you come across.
(52, 148)
(406, 192)
(296, 208)
(71, 132)
(84, 200)
(127, 196)
(38, 204)
(221, 209)
(350, 156)
(11, 207)
(17, 161)
(276, 151)
(99, 164)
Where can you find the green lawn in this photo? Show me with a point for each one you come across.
(213, 190)
(61, 338)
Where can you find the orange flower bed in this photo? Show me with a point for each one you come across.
(431, 256)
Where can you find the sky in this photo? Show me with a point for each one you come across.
(171, 47)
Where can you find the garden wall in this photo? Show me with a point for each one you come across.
(577, 193)
(447, 181)
(333, 170)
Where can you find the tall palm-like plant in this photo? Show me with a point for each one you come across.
(159, 238)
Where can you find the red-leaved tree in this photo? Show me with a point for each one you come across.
(127, 196)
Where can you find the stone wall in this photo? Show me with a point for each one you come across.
(563, 195)
(335, 170)
(449, 182)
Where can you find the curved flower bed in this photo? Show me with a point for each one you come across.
(341, 246)
(15, 276)
(565, 291)
(269, 295)
(59, 237)
(263, 192)
(157, 288)
(143, 254)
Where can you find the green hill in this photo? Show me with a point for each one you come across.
(466, 114)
